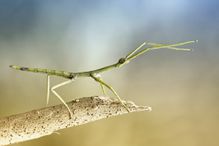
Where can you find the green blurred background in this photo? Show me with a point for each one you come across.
(181, 87)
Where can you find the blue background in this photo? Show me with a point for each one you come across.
(181, 87)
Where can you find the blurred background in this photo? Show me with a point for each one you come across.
(181, 87)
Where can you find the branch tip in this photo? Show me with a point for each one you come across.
(45, 121)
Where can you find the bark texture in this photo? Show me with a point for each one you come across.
(45, 121)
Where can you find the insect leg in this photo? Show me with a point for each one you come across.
(103, 90)
(101, 85)
(131, 53)
(111, 89)
(59, 97)
(48, 89)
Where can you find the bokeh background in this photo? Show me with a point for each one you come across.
(181, 87)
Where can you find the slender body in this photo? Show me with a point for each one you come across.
(64, 74)
(95, 74)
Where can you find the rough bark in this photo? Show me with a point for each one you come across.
(45, 121)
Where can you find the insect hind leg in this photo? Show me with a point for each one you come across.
(48, 89)
(59, 97)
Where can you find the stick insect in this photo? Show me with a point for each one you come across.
(95, 74)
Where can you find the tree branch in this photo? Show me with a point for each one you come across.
(45, 121)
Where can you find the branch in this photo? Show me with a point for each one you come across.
(45, 121)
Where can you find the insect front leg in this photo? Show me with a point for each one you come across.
(96, 78)
(101, 85)
(103, 90)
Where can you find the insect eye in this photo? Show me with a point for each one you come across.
(122, 60)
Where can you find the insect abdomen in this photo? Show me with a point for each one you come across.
(41, 70)
(30, 69)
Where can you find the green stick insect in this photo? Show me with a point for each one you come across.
(95, 74)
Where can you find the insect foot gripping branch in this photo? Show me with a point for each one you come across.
(93, 74)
